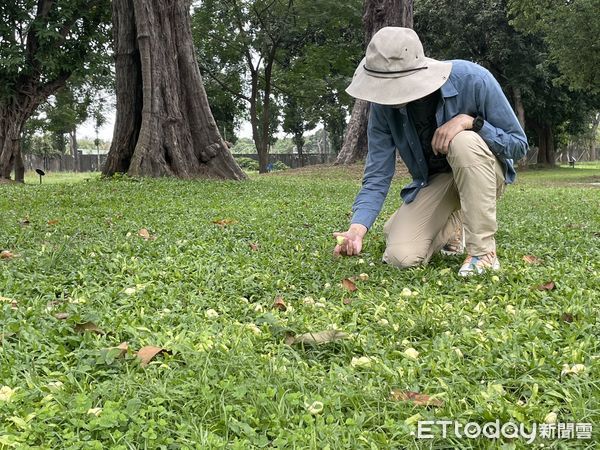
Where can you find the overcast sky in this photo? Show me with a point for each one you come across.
(106, 132)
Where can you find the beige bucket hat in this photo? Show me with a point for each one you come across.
(395, 69)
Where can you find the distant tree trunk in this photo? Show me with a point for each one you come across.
(593, 134)
(335, 127)
(75, 150)
(376, 15)
(520, 110)
(164, 126)
(546, 153)
(299, 143)
(325, 147)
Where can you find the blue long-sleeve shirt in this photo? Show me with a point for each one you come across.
(470, 89)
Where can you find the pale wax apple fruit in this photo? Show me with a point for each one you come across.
(340, 240)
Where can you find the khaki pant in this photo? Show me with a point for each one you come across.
(466, 196)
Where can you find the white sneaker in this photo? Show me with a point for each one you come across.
(456, 245)
(476, 265)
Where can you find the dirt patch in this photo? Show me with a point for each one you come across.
(595, 179)
(332, 172)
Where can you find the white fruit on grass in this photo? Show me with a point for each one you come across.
(340, 240)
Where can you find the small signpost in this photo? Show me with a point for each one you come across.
(41, 173)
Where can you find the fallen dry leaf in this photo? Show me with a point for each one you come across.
(61, 316)
(5, 254)
(415, 398)
(349, 284)
(567, 318)
(53, 222)
(347, 301)
(254, 246)
(90, 327)
(147, 354)
(122, 347)
(279, 304)
(224, 222)
(530, 259)
(320, 337)
(145, 234)
(575, 225)
(548, 286)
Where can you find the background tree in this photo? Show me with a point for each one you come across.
(480, 30)
(318, 64)
(298, 52)
(297, 121)
(377, 14)
(570, 29)
(164, 126)
(42, 44)
(248, 33)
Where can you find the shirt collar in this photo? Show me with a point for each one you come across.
(448, 89)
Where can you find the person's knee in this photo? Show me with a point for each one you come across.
(405, 256)
(467, 148)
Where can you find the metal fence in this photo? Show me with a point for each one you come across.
(64, 163)
(293, 160)
(92, 163)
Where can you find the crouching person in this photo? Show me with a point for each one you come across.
(457, 134)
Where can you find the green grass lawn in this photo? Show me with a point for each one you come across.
(84, 281)
(60, 177)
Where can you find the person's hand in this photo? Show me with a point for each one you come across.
(444, 134)
(350, 242)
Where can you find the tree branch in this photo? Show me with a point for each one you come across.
(223, 84)
(240, 26)
(33, 44)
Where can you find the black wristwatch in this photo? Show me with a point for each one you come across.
(477, 124)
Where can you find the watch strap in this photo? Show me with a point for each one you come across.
(477, 124)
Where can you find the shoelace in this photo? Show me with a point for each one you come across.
(486, 260)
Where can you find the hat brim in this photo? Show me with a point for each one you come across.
(396, 89)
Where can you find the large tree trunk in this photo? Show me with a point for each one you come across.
(13, 115)
(355, 141)
(546, 155)
(9, 141)
(377, 14)
(164, 126)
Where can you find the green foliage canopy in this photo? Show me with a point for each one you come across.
(571, 30)
(45, 41)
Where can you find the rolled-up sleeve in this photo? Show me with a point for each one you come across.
(379, 170)
(501, 130)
